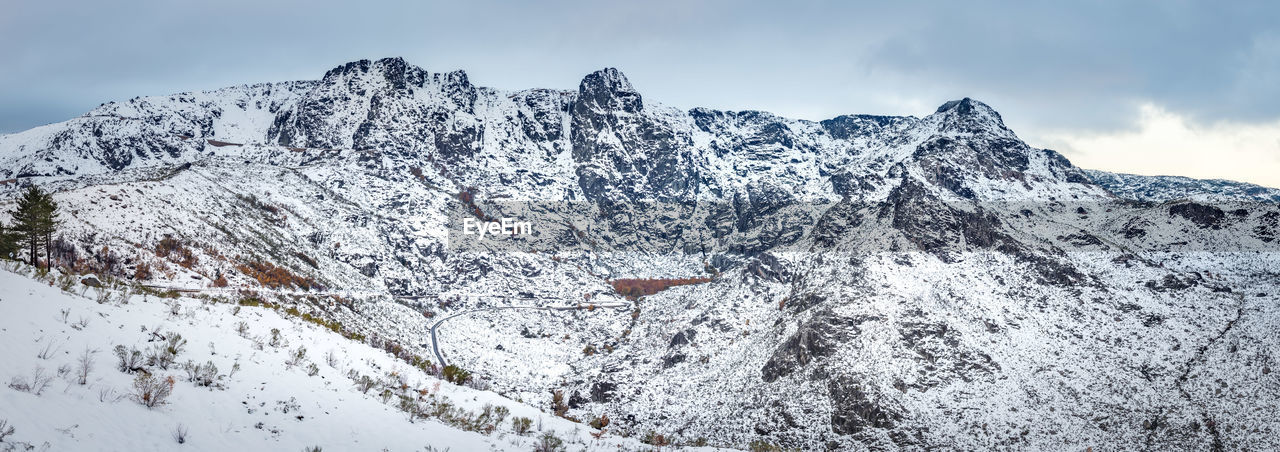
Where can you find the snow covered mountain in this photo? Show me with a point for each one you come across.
(1166, 188)
(863, 282)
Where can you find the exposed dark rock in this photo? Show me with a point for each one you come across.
(1175, 282)
(1268, 227)
(672, 360)
(603, 391)
(767, 267)
(820, 337)
(683, 338)
(804, 301)
(943, 356)
(1202, 215)
(1081, 239)
(854, 126)
(836, 223)
(576, 400)
(854, 410)
(1131, 229)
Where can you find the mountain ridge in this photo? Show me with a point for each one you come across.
(400, 74)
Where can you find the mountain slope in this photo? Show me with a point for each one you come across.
(275, 383)
(864, 282)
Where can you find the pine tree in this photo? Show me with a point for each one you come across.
(24, 222)
(35, 219)
(9, 246)
(49, 223)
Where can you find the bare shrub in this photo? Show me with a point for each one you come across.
(364, 384)
(412, 407)
(84, 365)
(180, 434)
(108, 394)
(50, 348)
(297, 357)
(205, 375)
(655, 439)
(242, 329)
(549, 442)
(6, 430)
(558, 407)
(600, 422)
(176, 251)
(81, 324)
(143, 272)
(522, 425)
(477, 383)
(165, 354)
(151, 391)
(313, 370)
(35, 385)
(129, 360)
(493, 414)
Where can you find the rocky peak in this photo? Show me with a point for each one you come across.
(398, 73)
(970, 116)
(354, 67)
(608, 90)
(966, 106)
(455, 78)
(395, 72)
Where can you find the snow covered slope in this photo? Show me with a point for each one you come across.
(264, 382)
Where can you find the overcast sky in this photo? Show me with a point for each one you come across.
(1169, 87)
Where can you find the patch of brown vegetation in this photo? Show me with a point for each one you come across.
(275, 277)
(173, 249)
(219, 144)
(142, 272)
(639, 287)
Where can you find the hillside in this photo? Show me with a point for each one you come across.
(243, 377)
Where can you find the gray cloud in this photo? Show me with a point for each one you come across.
(1043, 65)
